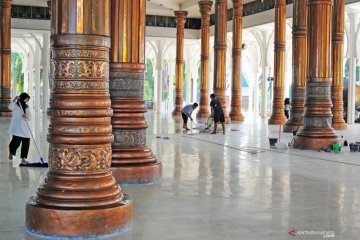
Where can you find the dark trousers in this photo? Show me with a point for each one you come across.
(287, 115)
(185, 118)
(15, 143)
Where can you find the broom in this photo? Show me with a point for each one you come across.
(42, 163)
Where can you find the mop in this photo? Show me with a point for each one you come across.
(196, 126)
(280, 145)
(42, 163)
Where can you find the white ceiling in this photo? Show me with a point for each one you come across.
(153, 7)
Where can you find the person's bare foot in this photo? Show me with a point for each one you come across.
(10, 156)
(23, 161)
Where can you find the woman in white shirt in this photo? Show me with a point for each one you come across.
(19, 127)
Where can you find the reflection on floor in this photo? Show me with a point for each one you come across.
(216, 187)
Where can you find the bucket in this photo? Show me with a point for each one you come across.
(272, 141)
(354, 147)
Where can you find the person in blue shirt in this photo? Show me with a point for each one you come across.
(186, 113)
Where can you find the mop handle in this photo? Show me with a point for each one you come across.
(32, 136)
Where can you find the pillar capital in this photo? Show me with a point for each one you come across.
(205, 7)
(6, 4)
(180, 17)
(237, 7)
(279, 3)
(221, 2)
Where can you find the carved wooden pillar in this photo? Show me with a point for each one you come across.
(180, 24)
(338, 24)
(205, 9)
(220, 53)
(5, 57)
(299, 64)
(79, 197)
(235, 113)
(317, 132)
(278, 116)
(132, 161)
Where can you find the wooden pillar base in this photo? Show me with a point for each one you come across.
(297, 110)
(204, 105)
(236, 115)
(202, 114)
(177, 110)
(70, 222)
(138, 174)
(135, 166)
(315, 139)
(278, 119)
(5, 101)
(132, 162)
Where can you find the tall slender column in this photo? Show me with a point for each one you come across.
(352, 58)
(180, 24)
(278, 116)
(45, 64)
(317, 132)
(132, 161)
(159, 68)
(205, 9)
(264, 87)
(79, 196)
(235, 113)
(220, 53)
(299, 63)
(338, 24)
(5, 57)
(1, 32)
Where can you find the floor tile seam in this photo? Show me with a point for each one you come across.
(273, 151)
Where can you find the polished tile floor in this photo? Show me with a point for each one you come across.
(216, 187)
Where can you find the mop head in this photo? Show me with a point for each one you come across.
(36, 164)
(42, 163)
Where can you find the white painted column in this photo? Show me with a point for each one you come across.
(26, 81)
(31, 87)
(37, 78)
(256, 91)
(352, 78)
(264, 87)
(46, 63)
(188, 81)
(171, 84)
(159, 86)
(194, 76)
